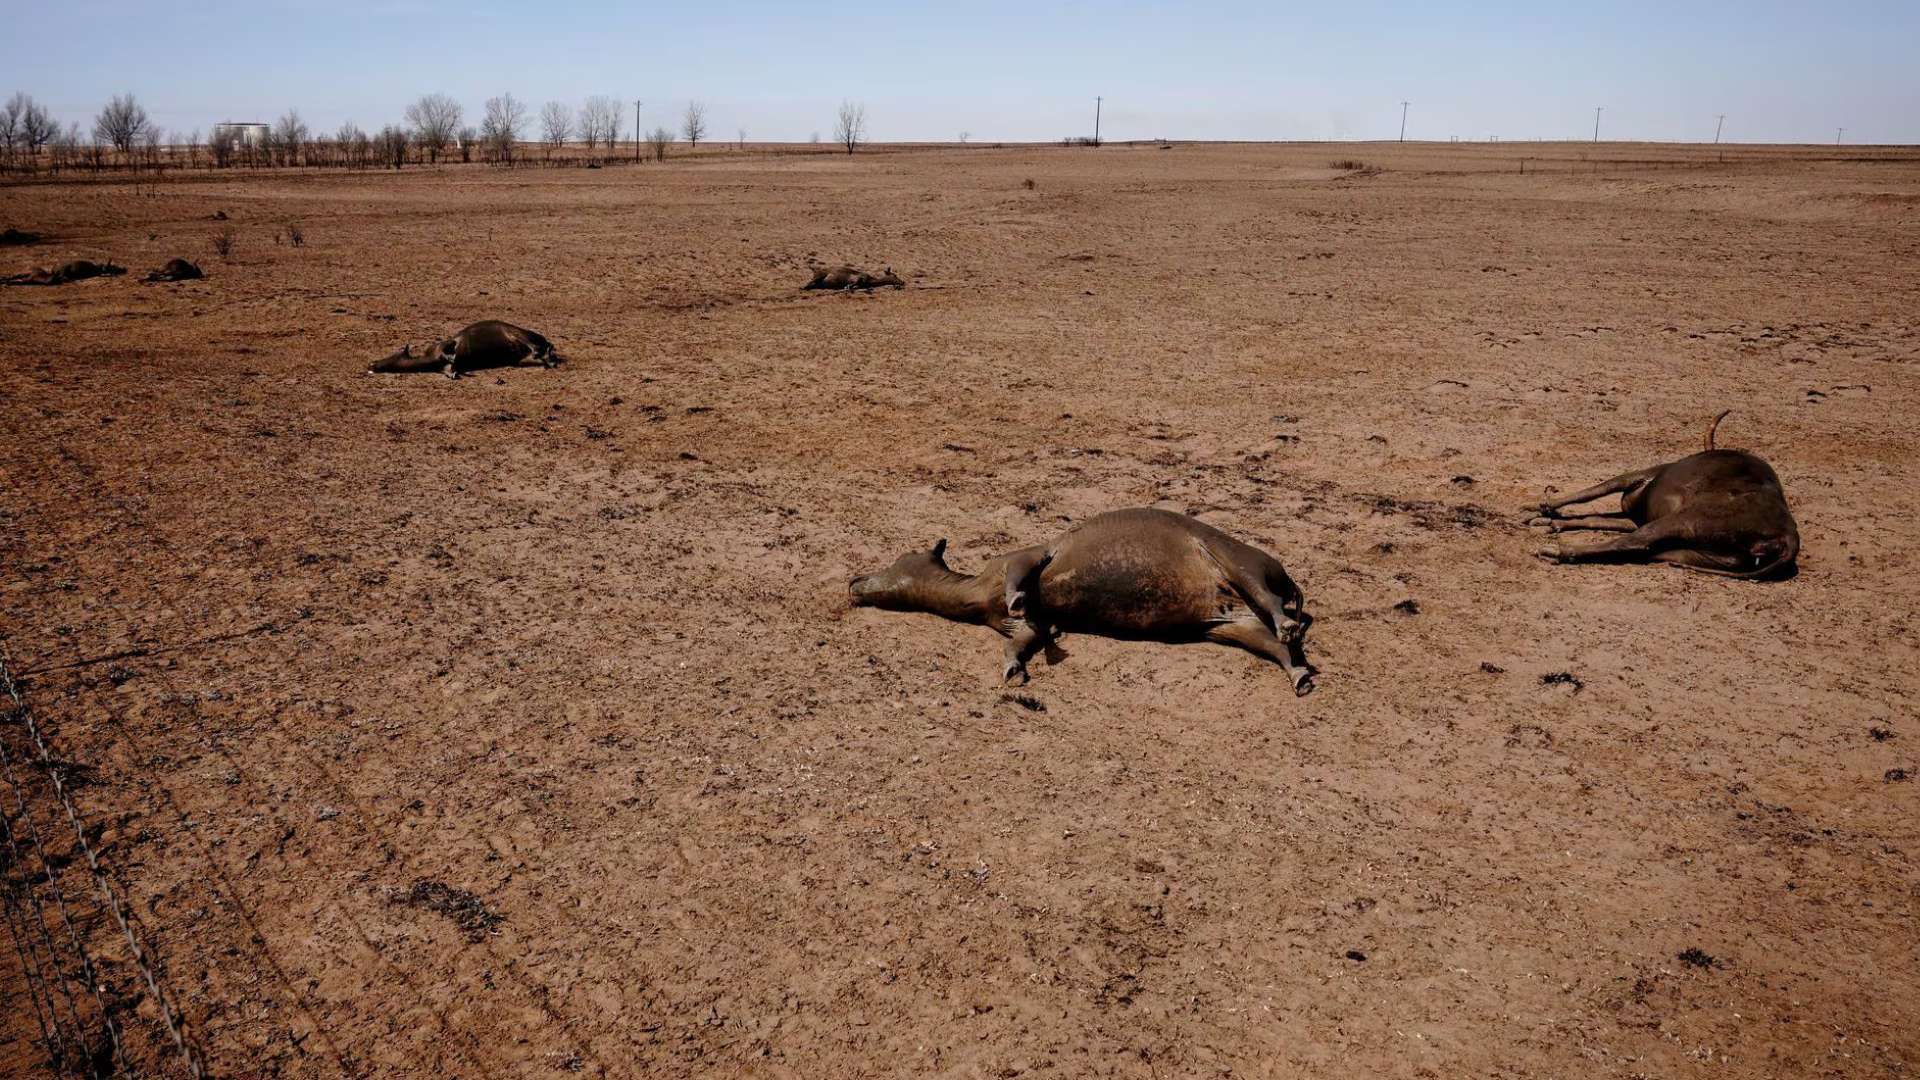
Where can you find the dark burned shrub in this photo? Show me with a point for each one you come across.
(467, 911)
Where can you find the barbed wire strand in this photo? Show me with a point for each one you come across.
(366, 821)
(45, 1011)
(39, 917)
(174, 1025)
(93, 981)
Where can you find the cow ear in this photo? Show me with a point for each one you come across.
(940, 549)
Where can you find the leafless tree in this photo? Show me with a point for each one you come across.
(588, 124)
(392, 144)
(467, 140)
(151, 141)
(500, 128)
(37, 126)
(289, 134)
(66, 147)
(220, 147)
(694, 123)
(964, 136)
(850, 127)
(603, 113)
(556, 123)
(434, 119)
(356, 150)
(742, 143)
(10, 138)
(659, 139)
(193, 149)
(121, 124)
(348, 139)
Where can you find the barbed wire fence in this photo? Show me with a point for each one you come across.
(59, 903)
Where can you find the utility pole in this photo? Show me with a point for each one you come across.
(636, 131)
(1837, 134)
(1096, 120)
(1722, 122)
(1403, 121)
(1596, 123)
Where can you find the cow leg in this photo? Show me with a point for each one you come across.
(1694, 559)
(1254, 584)
(1619, 483)
(1594, 522)
(1023, 567)
(1263, 599)
(1025, 640)
(1645, 542)
(1252, 635)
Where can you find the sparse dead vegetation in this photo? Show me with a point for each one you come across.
(657, 141)
(223, 240)
(468, 912)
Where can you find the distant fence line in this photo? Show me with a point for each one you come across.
(370, 154)
(365, 152)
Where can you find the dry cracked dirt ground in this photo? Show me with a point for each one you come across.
(517, 726)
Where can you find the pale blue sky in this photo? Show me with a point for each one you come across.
(1782, 72)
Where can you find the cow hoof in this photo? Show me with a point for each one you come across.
(1015, 675)
(1303, 687)
(1552, 525)
(1552, 555)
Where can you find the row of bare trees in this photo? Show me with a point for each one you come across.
(124, 135)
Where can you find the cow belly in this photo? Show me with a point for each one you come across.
(1127, 597)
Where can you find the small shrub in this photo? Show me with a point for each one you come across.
(223, 243)
(1696, 957)
(1356, 166)
(296, 235)
(1027, 183)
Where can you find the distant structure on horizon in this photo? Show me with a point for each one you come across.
(246, 134)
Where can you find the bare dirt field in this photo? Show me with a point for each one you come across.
(518, 725)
